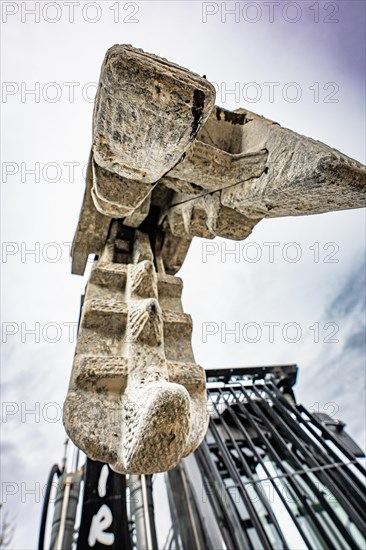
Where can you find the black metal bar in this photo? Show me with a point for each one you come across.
(324, 535)
(293, 430)
(250, 476)
(263, 464)
(230, 525)
(275, 416)
(352, 491)
(282, 372)
(297, 411)
(263, 537)
(188, 524)
(335, 441)
(345, 494)
(344, 477)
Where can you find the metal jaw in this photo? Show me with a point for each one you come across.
(166, 165)
(136, 400)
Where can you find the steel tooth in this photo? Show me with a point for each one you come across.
(145, 323)
(142, 278)
(206, 217)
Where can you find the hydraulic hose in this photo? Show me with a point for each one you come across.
(55, 470)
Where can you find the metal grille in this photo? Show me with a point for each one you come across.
(277, 475)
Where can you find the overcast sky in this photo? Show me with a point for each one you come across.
(298, 63)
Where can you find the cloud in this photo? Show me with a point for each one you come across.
(337, 374)
(42, 131)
